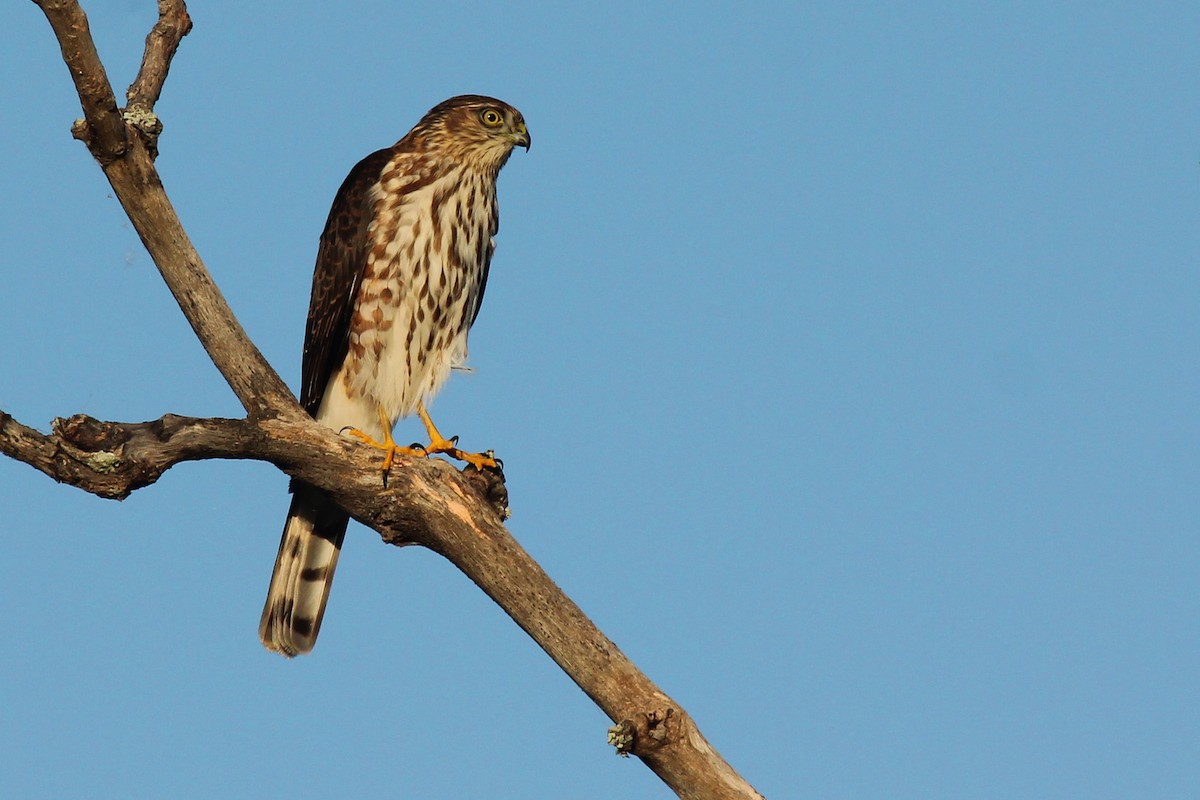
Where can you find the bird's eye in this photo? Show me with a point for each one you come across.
(491, 117)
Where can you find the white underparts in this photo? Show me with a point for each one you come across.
(420, 288)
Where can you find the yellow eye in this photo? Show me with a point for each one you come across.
(491, 117)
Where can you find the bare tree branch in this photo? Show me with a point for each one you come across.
(161, 43)
(426, 502)
(101, 128)
(130, 170)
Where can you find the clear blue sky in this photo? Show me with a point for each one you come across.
(842, 358)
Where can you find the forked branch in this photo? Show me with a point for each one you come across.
(427, 502)
(129, 167)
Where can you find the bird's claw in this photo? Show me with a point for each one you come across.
(481, 461)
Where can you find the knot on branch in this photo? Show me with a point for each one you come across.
(489, 483)
(105, 148)
(92, 453)
(642, 733)
(90, 435)
(147, 124)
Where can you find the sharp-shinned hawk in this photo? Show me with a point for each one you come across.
(400, 274)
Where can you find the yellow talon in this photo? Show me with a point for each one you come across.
(437, 444)
(440, 444)
(388, 445)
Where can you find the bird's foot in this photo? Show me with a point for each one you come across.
(450, 447)
(440, 444)
(389, 448)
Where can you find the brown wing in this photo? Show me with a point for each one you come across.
(486, 249)
(341, 258)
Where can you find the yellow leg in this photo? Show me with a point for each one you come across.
(440, 444)
(388, 445)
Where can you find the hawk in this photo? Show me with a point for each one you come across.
(400, 274)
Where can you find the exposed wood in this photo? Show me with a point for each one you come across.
(130, 171)
(426, 502)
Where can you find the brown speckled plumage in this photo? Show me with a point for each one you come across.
(401, 270)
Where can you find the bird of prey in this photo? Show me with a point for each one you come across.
(401, 269)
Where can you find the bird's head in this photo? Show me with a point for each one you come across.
(479, 130)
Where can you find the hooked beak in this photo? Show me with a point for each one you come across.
(522, 137)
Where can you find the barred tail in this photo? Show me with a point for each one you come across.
(308, 555)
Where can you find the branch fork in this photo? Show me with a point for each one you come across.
(426, 502)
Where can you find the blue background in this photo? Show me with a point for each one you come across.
(842, 358)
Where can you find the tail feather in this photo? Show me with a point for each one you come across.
(308, 555)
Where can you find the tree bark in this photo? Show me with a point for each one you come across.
(426, 502)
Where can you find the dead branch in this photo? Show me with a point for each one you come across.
(161, 43)
(426, 502)
(135, 182)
